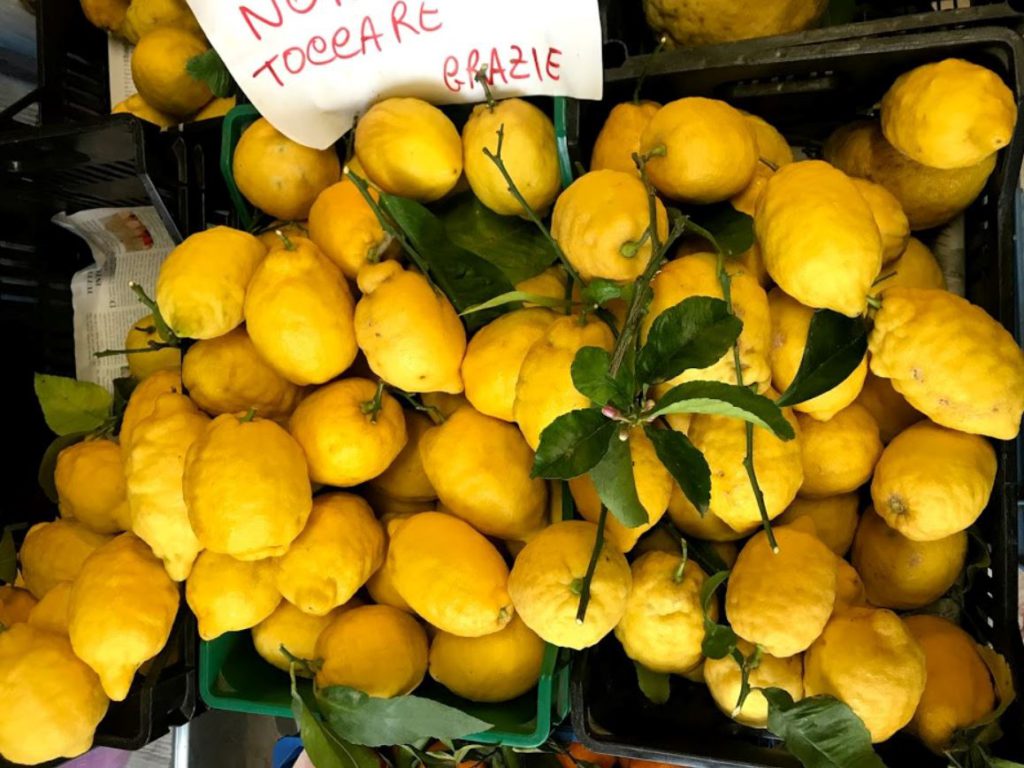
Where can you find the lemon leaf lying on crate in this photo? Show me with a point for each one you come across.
(653, 685)
(376, 722)
(326, 749)
(210, 69)
(48, 464)
(694, 333)
(820, 731)
(70, 405)
(836, 344)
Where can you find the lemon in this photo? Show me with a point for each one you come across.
(159, 63)
(465, 594)
(687, 519)
(345, 228)
(868, 659)
(377, 649)
(773, 153)
(840, 454)
(247, 488)
(493, 668)
(548, 575)
(406, 479)
(893, 225)
(229, 595)
(892, 412)
(55, 552)
(916, 267)
(345, 443)
(121, 611)
(89, 478)
(972, 381)
(381, 584)
(279, 233)
(337, 552)
(136, 105)
(444, 403)
(299, 314)
(601, 223)
(17, 604)
(663, 625)
(835, 518)
(202, 283)
(550, 283)
(791, 322)
(105, 14)
(724, 678)
(901, 573)
(710, 152)
(143, 400)
(528, 151)
(782, 600)
(698, 22)
(850, 590)
(143, 16)
(818, 237)
(52, 702)
(408, 330)
(932, 482)
(51, 613)
(410, 149)
(293, 630)
(279, 176)
(619, 138)
(142, 335)
(218, 107)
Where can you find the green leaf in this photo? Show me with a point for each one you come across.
(685, 463)
(591, 377)
(722, 399)
(209, 68)
(600, 291)
(719, 641)
(727, 229)
(8, 558)
(615, 484)
(376, 722)
(836, 345)
(572, 444)
(512, 244)
(654, 685)
(820, 731)
(326, 749)
(70, 405)
(48, 464)
(514, 297)
(695, 333)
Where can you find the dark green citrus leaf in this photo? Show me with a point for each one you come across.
(693, 334)
(613, 479)
(685, 463)
(715, 397)
(572, 444)
(836, 345)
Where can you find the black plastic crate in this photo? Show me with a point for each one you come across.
(806, 91)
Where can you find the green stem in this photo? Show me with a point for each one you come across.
(249, 416)
(481, 77)
(677, 577)
(662, 42)
(581, 612)
(154, 346)
(372, 407)
(433, 413)
(158, 319)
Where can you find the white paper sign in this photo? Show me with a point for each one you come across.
(311, 66)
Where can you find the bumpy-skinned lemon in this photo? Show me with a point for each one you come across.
(121, 612)
(105, 14)
(528, 151)
(406, 479)
(228, 375)
(773, 152)
(932, 481)
(377, 649)
(653, 488)
(929, 196)
(142, 401)
(17, 604)
(229, 595)
(835, 518)
(840, 454)
(916, 267)
(381, 584)
(491, 489)
(136, 105)
(143, 16)
(782, 600)
(159, 70)
(724, 678)
(409, 148)
(868, 659)
(51, 613)
(247, 488)
(791, 322)
(52, 701)
(466, 595)
(891, 410)
(545, 390)
(408, 330)
(696, 274)
(902, 573)
(663, 626)
(55, 552)
(217, 107)
(687, 519)
(619, 138)
(601, 223)
(850, 591)
(346, 443)
(698, 22)
(893, 225)
(496, 667)
(339, 549)
(299, 314)
(490, 369)
(547, 577)
(818, 237)
(202, 283)
(910, 345)
(550, 284)
(710, 152)
(346, 229)
(958, 691)
(279, 176)
(154, 470)
(143, 334)
(949, 114)
(89, 477)
(294, 630)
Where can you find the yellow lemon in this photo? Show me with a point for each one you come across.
(51, 613)
(724, 678)
(136, 105)
(17, 604)
(406, 479)
(840, 454)
(55, 552)
(850, 590)
(773, 152)
(299, 314)
(868, 659)
(835, 518)
(229, 595)
(105, 14)
(89, 477)
(550, 284)
(409, 148)
(381, 585)
(159, 70)
(377, 649)
(143, 16)
(916, 267)
(202, 283)
(619, 138)
(547, 578)
(279, 233)
(891, 411)
(443, 403)
(142, 335)
(345, 228)
(901, 573)
(143, 400)
(893, 225)
(698, 22)
(709, 526)
(294, 630)
(247, 488)
(408, 330)
(218, 107)
(496, 667)
(782, 600)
